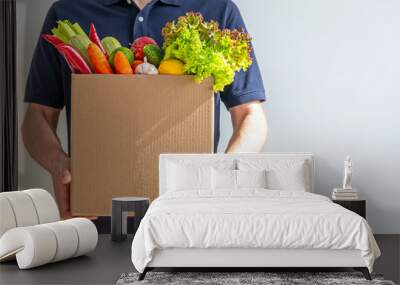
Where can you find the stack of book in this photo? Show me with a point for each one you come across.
(344, 194)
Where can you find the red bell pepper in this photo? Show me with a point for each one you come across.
(94, 37)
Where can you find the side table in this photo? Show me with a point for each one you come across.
(120, 208)
(357, 206)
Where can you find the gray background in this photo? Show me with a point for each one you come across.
(332, 73)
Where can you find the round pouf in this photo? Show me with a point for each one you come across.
(120, 208)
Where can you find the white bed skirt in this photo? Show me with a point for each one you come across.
(179, 257)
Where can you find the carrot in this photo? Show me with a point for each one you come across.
(121, 64)
(99, 60)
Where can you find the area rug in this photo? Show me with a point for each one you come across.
(244, 278)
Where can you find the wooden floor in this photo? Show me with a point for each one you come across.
(110, 260)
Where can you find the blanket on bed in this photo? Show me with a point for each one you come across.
(251, 218)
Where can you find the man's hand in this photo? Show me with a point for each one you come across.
(249, 128)
(61, 176)
(41, 141)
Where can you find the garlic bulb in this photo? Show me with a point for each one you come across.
(146, 68)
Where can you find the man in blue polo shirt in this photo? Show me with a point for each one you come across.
(49, 84)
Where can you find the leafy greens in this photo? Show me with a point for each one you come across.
(207, 50)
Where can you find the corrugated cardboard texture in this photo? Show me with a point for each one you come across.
(120, 125)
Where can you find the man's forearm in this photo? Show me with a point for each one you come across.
(249, 134)
(40, 138)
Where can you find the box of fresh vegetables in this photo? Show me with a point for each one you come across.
(129, 104)
(191, 46)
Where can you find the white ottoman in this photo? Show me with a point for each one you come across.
(31, 232)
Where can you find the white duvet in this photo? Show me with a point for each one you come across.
(250, 219)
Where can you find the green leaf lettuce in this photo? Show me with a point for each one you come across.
(207, 50)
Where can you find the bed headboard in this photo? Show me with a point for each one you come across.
(213, 159)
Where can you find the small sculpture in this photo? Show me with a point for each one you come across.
(348, 165)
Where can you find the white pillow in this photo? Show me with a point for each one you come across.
(188, 177)
(282, 174)
(293, 179)
(251, 178)
(223, 179)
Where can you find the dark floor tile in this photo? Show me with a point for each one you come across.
(389, 262)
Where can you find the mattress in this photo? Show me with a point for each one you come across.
(250, 219)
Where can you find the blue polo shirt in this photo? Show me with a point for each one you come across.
(49, 81)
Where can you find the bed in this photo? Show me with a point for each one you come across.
(247, 211)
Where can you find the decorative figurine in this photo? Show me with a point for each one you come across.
(347, 174)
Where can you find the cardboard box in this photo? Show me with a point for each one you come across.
(119, 126)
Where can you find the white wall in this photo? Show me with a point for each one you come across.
(331, 70)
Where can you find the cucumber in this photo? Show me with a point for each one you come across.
(110, 44)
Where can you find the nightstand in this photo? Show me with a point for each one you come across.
(120, 209)
(357, 206)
